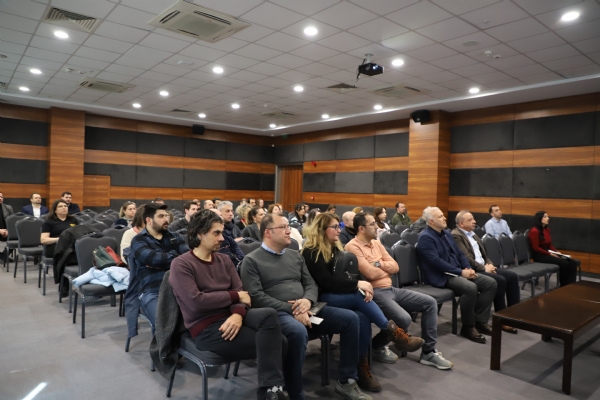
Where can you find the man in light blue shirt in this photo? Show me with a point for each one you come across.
(496, 225)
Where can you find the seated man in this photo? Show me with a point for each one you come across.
(419, 225)
(36, 208)
(208, 205)
(226, 208)
(158, 200)
(401, 216)
(216, 311)
(229, 246)
(152, 251)
(348, 233)
(73, 207)
(444, 265)
(189, 208)
(376, 265)
(472, 248)
(279, 279)
(496, 225)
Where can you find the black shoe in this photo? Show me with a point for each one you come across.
(471, 333)
(486, 329)
(272, 393)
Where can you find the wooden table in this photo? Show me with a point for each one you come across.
(565, 313)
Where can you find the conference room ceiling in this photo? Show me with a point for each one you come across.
(443, 44)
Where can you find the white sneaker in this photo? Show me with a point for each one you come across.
(435, 359)
(384, 355)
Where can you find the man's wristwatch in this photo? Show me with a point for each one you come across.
(377, 264)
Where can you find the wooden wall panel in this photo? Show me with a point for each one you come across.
(242, 194)
(358, 165)
(320, 198)
(391, 164)
(23, 151)
(203, 194)
(483, 159)
(109, 157)
(594, 263)
(563, 156)
(389, 201)
(204, 164)
(96, 191)
(321, 167)
(22, 112)
(152, 160)
(554, 207)
(480, 204)
(483, 115)
(290, 186)
(165, 193)
(22, 190)
(122, 192)
(559, 106)
(595, 209)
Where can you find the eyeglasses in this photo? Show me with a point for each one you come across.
(335, 227)
(371, 224)
(284, 227)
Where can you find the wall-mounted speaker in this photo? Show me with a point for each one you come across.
(198, 129)
(420, 116)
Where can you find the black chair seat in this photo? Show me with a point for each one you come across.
(440, 295)
(72, 271)
(524, 274)
(208, 357)
(538, 269)
(31, 251)
(12, 244)
(89, 289)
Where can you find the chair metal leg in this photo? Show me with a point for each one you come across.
(127, 345)
(152, 367)
(170, 385)
(40, 275)
(204, 381)
(325, 357)
(25, 269)
(75, 308)
(46, 273)
(226, 375)
(454, 316)
(16, 265)
(70, 293)
(60, 283)
(82, 316)
(547, 283)
(533, 289)
(121, 311)
(236, 367)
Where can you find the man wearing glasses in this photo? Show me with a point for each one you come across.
(278, 278)
(377, 266)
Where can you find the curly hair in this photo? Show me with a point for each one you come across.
(200, 224)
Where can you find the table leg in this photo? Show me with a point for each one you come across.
(496, 343)
(567, 364)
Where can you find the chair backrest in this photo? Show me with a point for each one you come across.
(522, 247)
(89, 212)
(410, 237)
(479, 232)
(183, 233)
(389, 250)
(294, 245)
(248, 247)
(28, 232)
(112, 217)
(401, 228)
(96, 224)
(507, 245)
(389, 239)
(116, 232)
(85, 246)
(405, 255)
(44, 216)
(11, 223)
(493, 249)
(296, 225)
(107, 222)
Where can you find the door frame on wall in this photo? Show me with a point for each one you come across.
(278, 183)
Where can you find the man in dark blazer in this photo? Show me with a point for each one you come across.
(472, 247)
(35, 209)
(443, 265)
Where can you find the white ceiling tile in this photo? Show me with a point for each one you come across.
(46, 55)
(120, 32)
(228, 44)
(447, 30)
(247, 76)
(132, 61)
(233, 60)
(378, 30)
(111, 76)
(241, 93)
(36, 62)
(461, 6)
(484, 42)
(202, 52)
(252, 33)
(202, 76)
(164, 43)
(297, 29)
(151, 83)
(26, 75)
(511, 83)
(306, 7)
(26, 9)
(346, 77)
(320, 83)
(275, 82)
(235, 8)
(267, 69)
(151, 6)
(170, 69)
(545, 77)
(407, 42)
(344, 15)
(589, 69)
(588, 11)
(520, 72)
(13, 48)
(131, 17)
(421, 69)
(539, 7)
(295, 76)
(58, 90)
(441, 77)
(190, 83)
(46, 30)
(384, 7)
(419, 15)
(147, 53)
(497, 49)
(510, 62)
(343, 41)
(430, 53)
(257, 52)
(317, 69)
(96, 54)
(377, 51)
(253, 87)
(92, 8)
(230, 82)
(283, 42)
(537, 42)
(342, 61)
(554, 53)
(496, 14)
(474, 69)
(272, 16)
(27, 82)
(103, 43)
(517, 30)
(53, 45)
(455, 61)
(581, 31)
(196, 63)
(570, 62)
(14, 36)
(391, 76)
(81, 62)
(289, 61)
(157, 76)
(588, 46)
(16, 23)
(461, 85)
(314, 52)
(445, 95)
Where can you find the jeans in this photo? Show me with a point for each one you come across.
(396, 304)
(367, 313)
(148, 303)
(474, 307)
(508, 290)
(335, 320)
(259, 337)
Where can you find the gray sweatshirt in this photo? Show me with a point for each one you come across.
(272, 279)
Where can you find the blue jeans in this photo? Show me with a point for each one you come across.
(367, 313)
(335, 320)
(149, 302)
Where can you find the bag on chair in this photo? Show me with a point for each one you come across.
(106, 257)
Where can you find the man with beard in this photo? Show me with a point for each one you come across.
(152, 251)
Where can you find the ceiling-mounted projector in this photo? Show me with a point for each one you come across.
(369, 68)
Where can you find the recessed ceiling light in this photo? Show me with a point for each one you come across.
(218, 70)
(570, 16)
(272, 126)
(474, 90)
(398, 62)
(202, 115)
(35, 71)
(378, 107)
(235, 106)
(298, 88)
(136, 105)
(164, 93)
(310, 31)
(325, 116)
(23, 88)
(61, 34)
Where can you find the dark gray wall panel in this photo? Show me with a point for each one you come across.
(319, 182)
(390, 182)
(267, 182)
(482, 137)
(552, 182)
(13, 170)
(110, 139)
(177, 204)
(354, 182)
(289, 154)
(159, 177)
(200, 179)
(598, 129)
(316, 151)
(201, 148)
(120, 175)
(560, 131)
(394, 145)
(481, 218)
(595, 236)
(481, 182)
(245, 152)
(596, 182)
(20, 131)
(363, 147)
(567, 233)
(17, 203)
(242, 181)
(165, 145)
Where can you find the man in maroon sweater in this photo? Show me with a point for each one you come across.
(216, 309)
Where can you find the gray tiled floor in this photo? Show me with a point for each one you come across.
(40, 344)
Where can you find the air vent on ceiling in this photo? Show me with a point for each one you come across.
(342, 88)
(399, 90)
(279, 114)
(180, 111)
(71, 20)
(2, 86)
(198, 22)
(105, 86)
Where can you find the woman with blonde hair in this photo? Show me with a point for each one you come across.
(126, 214)
(357, 210)
(243, 213)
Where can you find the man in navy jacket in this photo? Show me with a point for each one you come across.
(443, 265)
(35, 209)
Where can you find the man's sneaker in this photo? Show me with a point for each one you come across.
(366, 380)
(402, 340)
(351, 391)
(275, 393)
(384, 355)
(435, 359)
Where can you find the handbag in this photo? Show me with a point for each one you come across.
(106, 257)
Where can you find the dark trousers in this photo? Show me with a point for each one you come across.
(508, 290)
(335, 320)
(568, 267)
(474, 307)
(260, 337)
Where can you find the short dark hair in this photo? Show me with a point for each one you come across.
(299, 207)
(331, 207)
(158, 199)
(188, 204)
(216, 199)
(151, 209)
(200, 224)
(65, 193)
(359, 220)
(33, 194)
(138, 219)
(266, 221)
(398, 204)
(492, 207)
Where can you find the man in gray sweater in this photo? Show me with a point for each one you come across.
(278, 278)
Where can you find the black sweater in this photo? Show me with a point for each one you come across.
(326, 278)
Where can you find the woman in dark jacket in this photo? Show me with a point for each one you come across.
(252, 229)
(541, 243)
(126, 214)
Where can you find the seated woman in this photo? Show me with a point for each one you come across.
(57, 222)
(299, 214)
(380, 215)
(252, 229)
(331, 208)
(357, 210)
(138, 224)
(275, 208)
(541, 242)
(243, 213)
(126, 214)
(322, 253)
